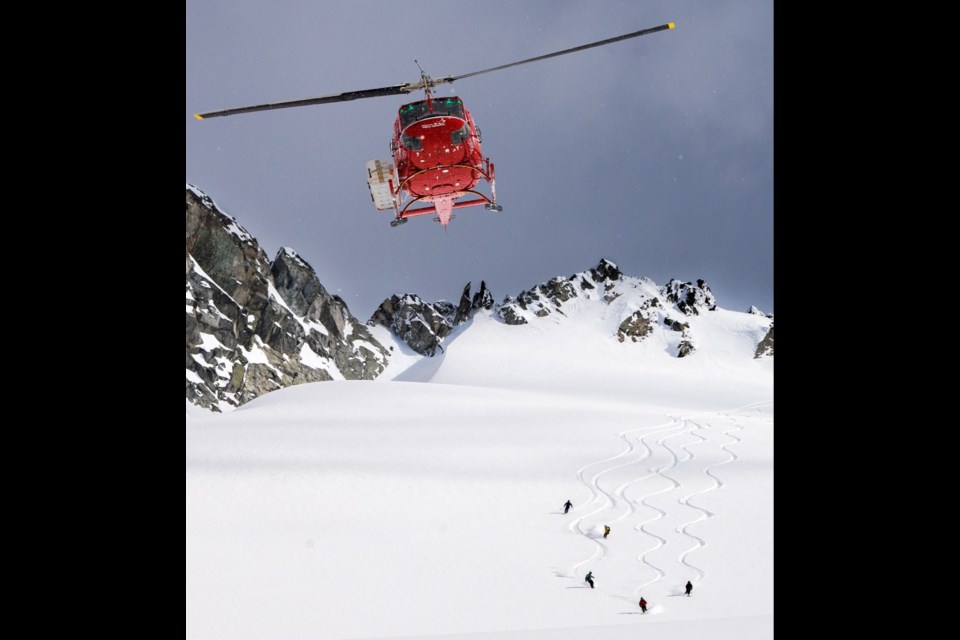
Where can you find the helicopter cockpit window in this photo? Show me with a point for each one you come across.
(411, 142)
(419, 110)
(411, 113)
(461, 134)
(448, 106)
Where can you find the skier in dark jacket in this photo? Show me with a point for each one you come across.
(589, 578)
(643, 604)
(689, 587)
(567, 505)
(606, 531)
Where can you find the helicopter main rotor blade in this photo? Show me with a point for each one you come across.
(339, 97)
(426, 82)
(598, 43)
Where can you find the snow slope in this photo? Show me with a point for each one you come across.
(391, 509)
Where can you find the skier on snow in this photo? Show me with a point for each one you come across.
(567, 505)
(606, 531)
(643, 604)
(589, 578)
(689, 587)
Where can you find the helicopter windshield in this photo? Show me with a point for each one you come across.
(419, 110)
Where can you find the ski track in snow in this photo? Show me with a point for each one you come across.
(674, 461)
(675, 423)
(704, 514)
(717, 484)
(755, 406)
(609, 500)
(660, 514)
(606, 499)
(603, 500)
(733, 456)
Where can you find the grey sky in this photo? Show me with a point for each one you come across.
(656, 152)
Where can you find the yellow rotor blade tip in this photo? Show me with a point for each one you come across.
(200, 117)
(671, 25)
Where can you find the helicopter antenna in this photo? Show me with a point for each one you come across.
(427, 83)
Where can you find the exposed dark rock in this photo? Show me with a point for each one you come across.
(422, 325)
(606, 270)
(765, 347)
(508, 312)
(676, 325)
(686, 348)
(463, 309)
(542, 300)
(558, 289)
(637, 326)
(242, 340)
(688, 298)
(483, 299)
(297, 283)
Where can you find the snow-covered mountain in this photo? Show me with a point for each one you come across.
(380, 507)
(254, 326)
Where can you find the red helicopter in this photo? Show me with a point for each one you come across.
(436, 145)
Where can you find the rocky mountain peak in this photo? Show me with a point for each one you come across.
(645, 308)
(606, 270)
(254, 326)
(550, 296)
(482, 299)
(690, 298)
(422, 325)
(228, 254)
(296, 282)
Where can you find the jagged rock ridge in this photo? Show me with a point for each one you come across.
(423, 325)
(644, 308)
(254, 325)
(650, 308)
